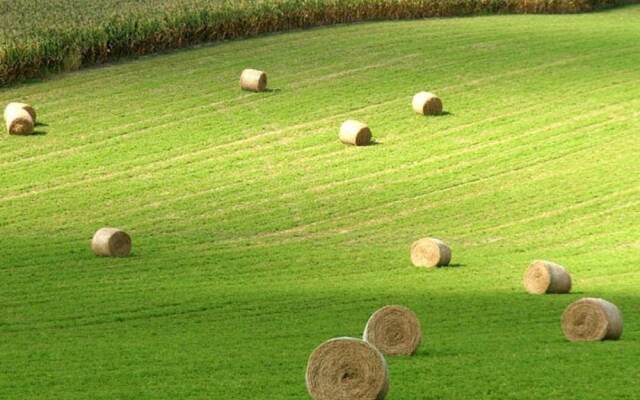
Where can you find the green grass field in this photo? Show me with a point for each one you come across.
(257, 235)
(42, 37)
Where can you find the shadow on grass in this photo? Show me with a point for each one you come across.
(455, 265)
(443, 114)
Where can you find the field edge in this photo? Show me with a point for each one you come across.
(53, 51)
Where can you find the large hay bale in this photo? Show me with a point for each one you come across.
(19, 121)
(394, 330)
(430, 253)
(24, 106)
(426, 103)
(355, 133)
(111, 242)
(591, 319)
(253, 80)
(347, 369)
(546, 277)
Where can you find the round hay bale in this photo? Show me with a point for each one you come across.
(430, 253)
(590, 319)
(546, 277)
(19, 121)
(111, 242)
(347, 369)
(394, 330)
(355, 133)
(427, 103)
(253, 80)
(23, 106)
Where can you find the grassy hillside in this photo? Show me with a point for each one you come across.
(257, 235)
(39, 37)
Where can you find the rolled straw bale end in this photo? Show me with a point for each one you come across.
(430, 253)
(426, 103)
(31, 111)
(347, 369)
(591, 319)
(253, 80)
(546, 277)
(355, 133)
(19, 122)
(23, 106)
(394, 330)
(111, 242)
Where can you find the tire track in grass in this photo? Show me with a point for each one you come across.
(386, 205)
(146, 121)
(210, 282)
(550, 214)
(138, 312)
(126, 129)
(440, 172)
(73, 112)
(577, 221)
(609, 201)
(379, 220)
(298, 160)
(471, 149)
(490, 118)
(243, 48)
(285, 195)
(269, 133)
(129, 125)
(124, 70)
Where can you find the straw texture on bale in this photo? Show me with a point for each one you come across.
(347, 369)
(394, 330)
(546, 277)
(19, 121)
(430, 252)
(426, 103)
(111, 242)
(253, 80)
(590, 319)
(355, 133)
(23, 106)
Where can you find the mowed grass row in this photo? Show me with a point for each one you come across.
(257, 235)
(43, 37)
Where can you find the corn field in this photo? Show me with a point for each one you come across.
(42, 37)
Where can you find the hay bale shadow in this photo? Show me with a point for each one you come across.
(443, 114)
